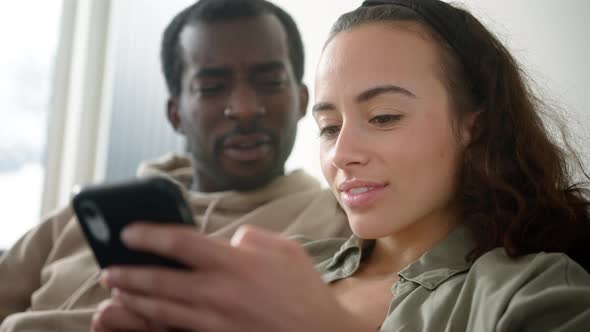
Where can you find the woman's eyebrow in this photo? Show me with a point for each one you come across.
(319, 107)
(383, 89)
(367, 95)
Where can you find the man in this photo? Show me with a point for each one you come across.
(233, 70)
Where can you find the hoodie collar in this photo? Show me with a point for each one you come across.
(178, 167)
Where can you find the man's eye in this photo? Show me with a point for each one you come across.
(272, 84)
(329, 131)
(207, 88)
(210, 89)
(385, 119)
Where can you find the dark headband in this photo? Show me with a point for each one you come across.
(448, 22)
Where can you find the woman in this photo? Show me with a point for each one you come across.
(463, 211)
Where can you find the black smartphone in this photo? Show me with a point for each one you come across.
(104, 210)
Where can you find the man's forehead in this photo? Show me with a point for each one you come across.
(243, 42)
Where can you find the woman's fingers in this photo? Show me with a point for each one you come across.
(112, 315)
(229, 287)
(181, 243)
(173, 284)
(173, 314)
(261, 241)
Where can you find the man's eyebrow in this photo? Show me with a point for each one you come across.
(225, 72)
(213, 72)
(319, 107)
(268, 66)
(382, 89)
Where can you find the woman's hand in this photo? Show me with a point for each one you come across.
(112, 315)
(258, 282)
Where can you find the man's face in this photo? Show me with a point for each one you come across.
(239, 103)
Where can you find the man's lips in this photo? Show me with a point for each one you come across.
(250, 147)
(249, 140)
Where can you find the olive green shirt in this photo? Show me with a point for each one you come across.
(441, 291)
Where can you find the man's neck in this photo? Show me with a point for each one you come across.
(205, 184)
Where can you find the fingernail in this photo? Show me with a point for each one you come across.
(116, 293)
(119, 295)
(104, 279)
(112, 275)
(129, 235)
(238, 236)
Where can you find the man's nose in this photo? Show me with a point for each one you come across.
(244, 104)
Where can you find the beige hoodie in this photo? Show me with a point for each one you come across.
(49, 279)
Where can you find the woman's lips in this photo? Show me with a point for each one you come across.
(358, 195)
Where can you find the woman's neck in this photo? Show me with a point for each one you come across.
(393, 253)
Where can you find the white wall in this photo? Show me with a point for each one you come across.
(548, 37)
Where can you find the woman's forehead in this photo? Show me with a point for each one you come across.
(378, 52)
(379, 41)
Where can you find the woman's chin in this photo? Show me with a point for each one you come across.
(368, 230)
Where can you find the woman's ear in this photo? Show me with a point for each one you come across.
(467, 125)
(173, 114)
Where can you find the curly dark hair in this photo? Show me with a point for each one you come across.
(517, 185)
(210, 11)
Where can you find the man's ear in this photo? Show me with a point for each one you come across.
(173, 114)
(468, 123)
(303, 99)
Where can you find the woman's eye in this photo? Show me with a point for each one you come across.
(385, 119)
(329, 131)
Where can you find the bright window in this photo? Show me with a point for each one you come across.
(28, 34)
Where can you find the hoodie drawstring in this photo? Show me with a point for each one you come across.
(207, 215)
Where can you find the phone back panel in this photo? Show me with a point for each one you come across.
(103, 211)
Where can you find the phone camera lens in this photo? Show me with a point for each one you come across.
(95, 222)
(88, 211)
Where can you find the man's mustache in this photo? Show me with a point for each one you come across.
(245, 130)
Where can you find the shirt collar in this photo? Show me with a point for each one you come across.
(347, 259)
(446, 259)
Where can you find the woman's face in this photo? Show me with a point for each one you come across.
(388, 148)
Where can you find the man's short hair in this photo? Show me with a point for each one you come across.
(210, 11)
